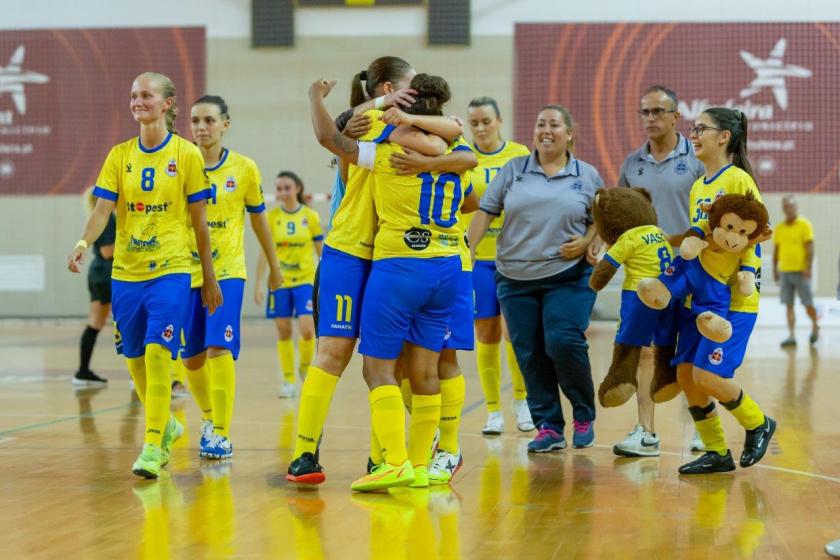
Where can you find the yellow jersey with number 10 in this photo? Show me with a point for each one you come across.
(152, 188)
(489, 164)
(295, 234)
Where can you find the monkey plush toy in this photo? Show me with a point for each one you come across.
(707, 264)
(626, 220)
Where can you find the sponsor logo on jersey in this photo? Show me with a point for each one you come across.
(147, 241)
(128, 168)
(230, 184)
(417, 239)
(168, 333)
(172, 168)
(716, 357)
(143, 208)
(220, 224)
(228, 333)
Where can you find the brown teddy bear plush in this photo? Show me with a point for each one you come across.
(626, 220)
(736, 222)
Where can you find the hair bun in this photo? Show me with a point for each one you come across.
(363, 75)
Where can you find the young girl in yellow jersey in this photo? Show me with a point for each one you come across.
(705, 368)
(212, 341)
(156, 184)
(298, 242)
(493, 152)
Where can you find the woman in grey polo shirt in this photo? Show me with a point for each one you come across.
(542, 275)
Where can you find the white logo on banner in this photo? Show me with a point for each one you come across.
(13, 78)
(771, 73)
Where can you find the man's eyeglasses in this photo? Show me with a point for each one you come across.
(656, 112)
(700, 129)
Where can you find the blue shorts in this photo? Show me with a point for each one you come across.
(639, 325)
(484, 290)
(289, 302)
(149, 312)
(723, 359)
(408, 300)
(221, 329)
(341, 289)
(689, 277)
(460, 334)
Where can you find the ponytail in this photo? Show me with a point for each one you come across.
(383, 69)
(357, 90)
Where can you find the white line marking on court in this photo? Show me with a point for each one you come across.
(5, 439)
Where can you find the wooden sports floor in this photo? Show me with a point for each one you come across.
(67, 490)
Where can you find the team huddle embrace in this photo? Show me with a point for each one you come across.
(437, 245)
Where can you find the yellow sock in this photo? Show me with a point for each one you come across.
(286, 354)
(452, 394)
(178, 371)
(306, 348)
(375, 448)
(405, 390)
(489, 372)
(425, 416)
(747, 413)
(158, 392)
(200, 387)
(519, 392)
(222, 391)
(315, 397)
(388, 419)
(137, 371)
(711, 432)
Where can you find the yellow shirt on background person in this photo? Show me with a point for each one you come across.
(295, 234)
(645, 253)
(791, 238)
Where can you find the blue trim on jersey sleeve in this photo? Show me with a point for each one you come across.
(256, 209)
(200, 195)
(698, 231)
(156, 148)
(222, 159)
(386, 132)
(748, 269)
(468, 191)
(475, 147)
(105, 193)
(490, 212)
(612, 261)
(318, 238)
(716, 175)
(462, 148)
(758, 251)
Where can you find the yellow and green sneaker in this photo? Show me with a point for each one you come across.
(148, 464)
(421, 477)
(171, 433)
(385, 476)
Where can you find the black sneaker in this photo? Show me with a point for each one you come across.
(306, 470)
(755, 446)
(86, 378)
(370, 465)
(710, 462)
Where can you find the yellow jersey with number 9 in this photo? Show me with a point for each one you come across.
(354, 223)
(295, 234)
(489, 164)
(729, 180)
(152, 188)
(418, 214)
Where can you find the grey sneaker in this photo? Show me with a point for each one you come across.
(638, 443)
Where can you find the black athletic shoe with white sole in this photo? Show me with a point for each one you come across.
(755, 446)
(88, 379)
(710, 462)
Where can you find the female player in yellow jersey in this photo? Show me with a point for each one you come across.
(157, 185)
(212, 342)
(705, 368)
(298, 242)
(493, 152)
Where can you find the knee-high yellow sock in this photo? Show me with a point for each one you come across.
(489, 372)
(425, 415)
(222, 391)
(179, 371)
(405, 391)
(375, 448)
(158, 393)
(388, 419)
(315, 397)
(746, 411)
(199, 380)
(711, 432)
(519, 392)
(306, 349)
(286, 355)
(137, 371)
(452, 394)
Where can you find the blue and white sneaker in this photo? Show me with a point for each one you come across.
(547, 440)
(584, 435)
(219, 447)
(206, 435)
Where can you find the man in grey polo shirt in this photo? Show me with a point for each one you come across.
(666, 166)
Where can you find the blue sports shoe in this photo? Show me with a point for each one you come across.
(219, 447)
(584, 435)
(547, 440)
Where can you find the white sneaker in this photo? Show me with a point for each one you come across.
(638, 443)
(444, 466)
(495, 424)
(523, 416)
(697, 443)
(287, 391)
(833, 549)
(206, 433)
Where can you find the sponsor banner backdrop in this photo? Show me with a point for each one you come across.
(783, 76)
(64, 98)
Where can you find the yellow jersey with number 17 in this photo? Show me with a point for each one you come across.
(354, 223)
(152, 187)
(729, 180)
(235, 186)
(489, 164)
(295, 234)
(418, 214)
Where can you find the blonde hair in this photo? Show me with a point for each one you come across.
(88, 200)
(167, 90)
